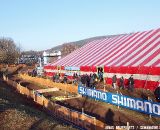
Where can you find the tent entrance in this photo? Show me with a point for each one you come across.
(100, 72)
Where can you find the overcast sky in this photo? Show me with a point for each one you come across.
(42, 24)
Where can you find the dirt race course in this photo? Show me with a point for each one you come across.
(110, 114)
(19, 113)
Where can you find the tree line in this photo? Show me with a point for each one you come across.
(9, 51)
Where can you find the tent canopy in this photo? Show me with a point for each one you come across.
(137, 49)
(123, 55)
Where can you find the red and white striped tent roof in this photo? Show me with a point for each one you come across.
(137, 49)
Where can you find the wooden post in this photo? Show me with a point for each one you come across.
(33, 95)
(82, 113)
(104, 88)
(19, 87)
(127, 125)
(150, 116)
(82, 110)
(65, 88)
(149, 99)
(42, 101)
(118, 104)
(4, 78)
(95, 122)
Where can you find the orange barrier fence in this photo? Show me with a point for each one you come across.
(80, 119)
(47, 82)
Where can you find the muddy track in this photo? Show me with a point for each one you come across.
(18, 112)
(108, 113)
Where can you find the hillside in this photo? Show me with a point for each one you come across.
(69, 47)
(80, 43)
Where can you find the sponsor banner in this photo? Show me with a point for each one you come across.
(71, 68)
(136, 104)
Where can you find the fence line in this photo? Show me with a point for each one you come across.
(79, 119)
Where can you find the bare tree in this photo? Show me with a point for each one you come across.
(9, 52)
(68, 48)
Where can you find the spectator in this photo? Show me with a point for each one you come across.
(54, 78)
(131, 83)
(91, 81)
(75, 78)
(87, 79)
(60, 77)
(157, 93)
(74, 75)
(34, 73)
(80, 80)
(95, 76)
(100, 74)
(83, 80)
(121, 83)
(114, 80)
(57, 77)
(65, 79)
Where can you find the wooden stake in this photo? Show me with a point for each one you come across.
(95, 122)
(127, 125)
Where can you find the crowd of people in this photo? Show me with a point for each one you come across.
(93, 79)
(85, 80)
(32, 73)
(121, 83)
(88, 80)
